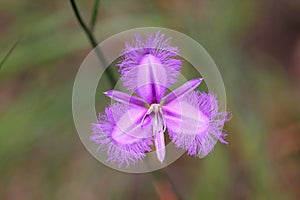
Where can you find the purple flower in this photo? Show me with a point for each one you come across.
(127, 129)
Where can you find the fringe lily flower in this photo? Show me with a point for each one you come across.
(128, 129)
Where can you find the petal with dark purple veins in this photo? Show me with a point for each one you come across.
(151, 79)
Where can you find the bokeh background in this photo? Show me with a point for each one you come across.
(256, 45)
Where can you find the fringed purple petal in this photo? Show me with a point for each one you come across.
(150, 67)
(119, 133)
(202, 141)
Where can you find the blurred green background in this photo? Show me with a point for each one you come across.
(255, 44)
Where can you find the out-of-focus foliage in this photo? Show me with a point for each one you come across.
(256, 45)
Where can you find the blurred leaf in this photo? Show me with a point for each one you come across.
(9, 52)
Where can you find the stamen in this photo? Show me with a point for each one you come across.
(158, 129)
(159, 142)
(149, 111)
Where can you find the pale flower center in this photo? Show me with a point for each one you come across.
(158, 129)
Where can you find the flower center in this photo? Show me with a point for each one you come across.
(158, 129)
(158, 121)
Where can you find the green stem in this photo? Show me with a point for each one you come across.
(94, 15)
(93, 42)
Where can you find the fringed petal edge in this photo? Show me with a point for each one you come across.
(203, 143)
(155, 45)
(123, 154)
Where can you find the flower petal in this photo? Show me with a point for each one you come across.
(119, 133)
(125, 98)
(151, 79)
(149, 67)
(184, 118)
(182, 90)
(194, 123)
(128, 129)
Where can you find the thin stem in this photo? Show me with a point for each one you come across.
(94, 15)
(93, 42)
(9, 52)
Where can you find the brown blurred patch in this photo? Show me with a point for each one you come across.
(296, 59)
(284, 147)
(164, 190)
(276, 31)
